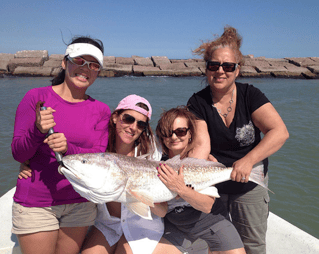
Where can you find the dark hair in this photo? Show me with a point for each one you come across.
(230, 38)
(78, 39)
(166, 121)
(144, 142)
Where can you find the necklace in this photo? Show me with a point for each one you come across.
(229, 109)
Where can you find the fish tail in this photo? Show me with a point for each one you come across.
(257, 176)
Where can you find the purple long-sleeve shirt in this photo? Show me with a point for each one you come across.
(84, 125)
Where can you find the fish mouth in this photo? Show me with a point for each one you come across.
(62, 168)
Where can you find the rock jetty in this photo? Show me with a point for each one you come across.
(39, 63)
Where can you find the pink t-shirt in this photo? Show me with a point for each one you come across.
(85, 126)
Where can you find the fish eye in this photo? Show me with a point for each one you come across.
(84, 161)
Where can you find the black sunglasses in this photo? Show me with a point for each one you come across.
(80, 62)
(179, 132)
(227, 67)
(128, 119)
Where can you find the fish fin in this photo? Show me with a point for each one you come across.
(210, 191)
(193, 161)
(142, 196)
(257, 175)
(140, 209)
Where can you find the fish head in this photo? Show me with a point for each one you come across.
(95, 176)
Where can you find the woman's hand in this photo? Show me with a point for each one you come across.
(173, 180)
(24, 171)
(241, 170)
(57, 142)
(44, 118)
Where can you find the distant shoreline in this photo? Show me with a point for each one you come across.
(38, 63)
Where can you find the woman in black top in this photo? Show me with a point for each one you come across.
(232, 117)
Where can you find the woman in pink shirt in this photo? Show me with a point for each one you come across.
(48, 215)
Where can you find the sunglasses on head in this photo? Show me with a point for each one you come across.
(227, 67)
(179, 132)
(81, 62)
(128, 119)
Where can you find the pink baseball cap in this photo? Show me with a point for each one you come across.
(130, 101)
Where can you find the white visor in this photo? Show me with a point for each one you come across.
(81, 49)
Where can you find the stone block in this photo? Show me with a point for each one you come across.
(316, 59)
(160, 60)
(140, 70)
(105, 73)
(108, 60)
(52, 63)
(143, 61)
(192, 71)
(277, 62)
(124, 60)
(4, 67)
(119, 69)
(195, 64)
(310, 75)
(56, 57)
(32, 71)
(269, 70)
(24, 62)
(314, 69)
(4, 56)
(294, 71)
(256, 62)
(203, 70)
(55, 72)
(32, 54)
(199, 60)
(172, 66)
(4, 61)
(181, 60)
(158, 73)
(248, 71)
(302, 61)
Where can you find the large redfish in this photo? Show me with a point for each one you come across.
(105, 177)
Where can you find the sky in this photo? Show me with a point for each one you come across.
(172, 28)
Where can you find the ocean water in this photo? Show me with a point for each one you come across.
(294, 169)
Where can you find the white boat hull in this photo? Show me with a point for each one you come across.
(282, 237)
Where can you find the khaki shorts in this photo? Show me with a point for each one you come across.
(28, 220)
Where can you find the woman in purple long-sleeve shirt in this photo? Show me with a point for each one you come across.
(48, 215)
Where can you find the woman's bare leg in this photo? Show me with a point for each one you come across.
(70, 240)
(166, 247)
(235, 251)
(95, 243)
(123, 246)
(38, 243)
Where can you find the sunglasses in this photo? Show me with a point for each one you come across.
(227, 67)
(93, 66)
(128, 119)
(179, 132)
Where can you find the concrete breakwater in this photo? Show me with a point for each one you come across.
(39, 63)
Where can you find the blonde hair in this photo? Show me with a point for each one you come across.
(230, 38)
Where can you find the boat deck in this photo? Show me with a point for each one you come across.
(282, 237)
